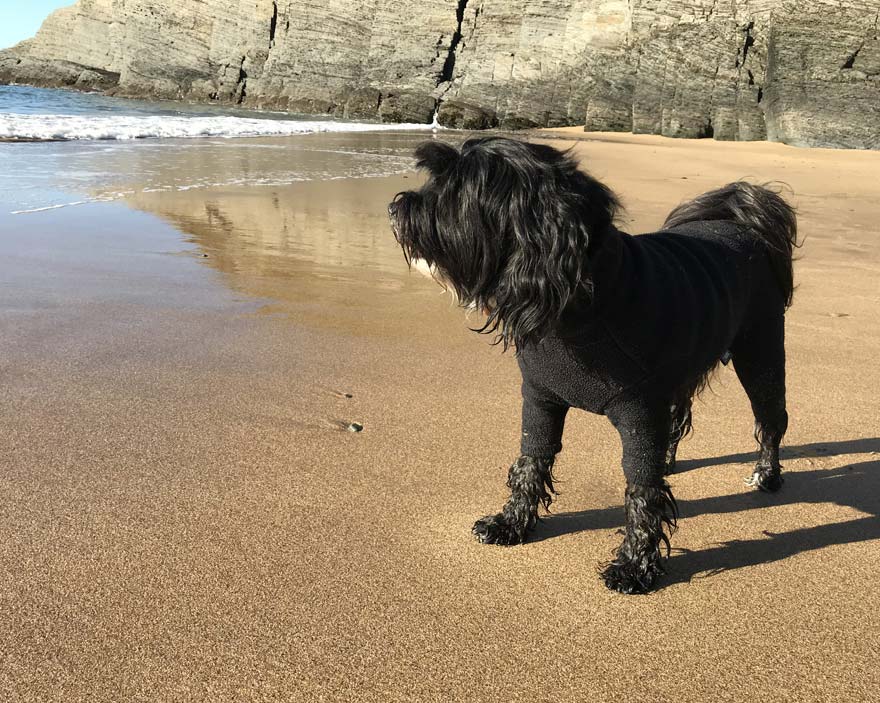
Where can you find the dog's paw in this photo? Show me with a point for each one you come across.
(765, 478)
(669, 466)
(630, 577)
(495, 529)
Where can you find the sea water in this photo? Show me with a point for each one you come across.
(61, 148)
(38, 114)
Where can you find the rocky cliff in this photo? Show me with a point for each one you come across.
(805, 72)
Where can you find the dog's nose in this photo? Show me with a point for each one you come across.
(392, 208)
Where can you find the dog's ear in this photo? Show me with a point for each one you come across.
(411, 221)
(436, 157)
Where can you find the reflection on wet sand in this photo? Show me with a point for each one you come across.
(321, 251)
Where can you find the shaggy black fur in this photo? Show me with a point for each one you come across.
(682, 425)
(628, 327)
(638, 563)
(502, 221)
(530, 482)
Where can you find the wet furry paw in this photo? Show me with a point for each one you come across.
(630, 577)
(496, 529)
(766, 478)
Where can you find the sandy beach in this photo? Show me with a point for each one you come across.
(185, 518)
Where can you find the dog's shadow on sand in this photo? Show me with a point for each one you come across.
(854, 485)
(814, 450)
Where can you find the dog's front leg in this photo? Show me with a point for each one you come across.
(651, 511)
(530, 478)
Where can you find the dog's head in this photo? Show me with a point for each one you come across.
(504, 225)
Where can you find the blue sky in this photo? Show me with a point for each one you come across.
(20, 19)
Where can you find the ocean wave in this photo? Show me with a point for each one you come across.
(126, 127)
(46, 208)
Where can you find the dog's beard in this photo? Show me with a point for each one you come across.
(431, 271)
(426, 269)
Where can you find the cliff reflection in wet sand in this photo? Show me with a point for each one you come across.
(322, 252)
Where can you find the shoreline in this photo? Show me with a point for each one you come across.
(575, 132)
(578, 134)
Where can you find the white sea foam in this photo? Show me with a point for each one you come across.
(123, 127)
(49, 207)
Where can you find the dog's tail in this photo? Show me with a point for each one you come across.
(756, 207)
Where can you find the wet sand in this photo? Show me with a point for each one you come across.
(185, 517)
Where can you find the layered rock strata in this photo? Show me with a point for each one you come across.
(805, 72)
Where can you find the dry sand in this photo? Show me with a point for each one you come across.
(184, 519)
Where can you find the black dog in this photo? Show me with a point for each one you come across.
(628, 327)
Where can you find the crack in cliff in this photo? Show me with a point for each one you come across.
(850, 62)
(748, 42)
(273, 24)
(851, 59)
(449, 63)
(707, 131)
(437, 50)
(742, 56)
(708, 13)
(241, 83)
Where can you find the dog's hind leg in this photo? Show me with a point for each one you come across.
(681, 427)
(531, 484)
(651, 512)
(759, 360)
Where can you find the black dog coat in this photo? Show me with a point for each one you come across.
(665, 308)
